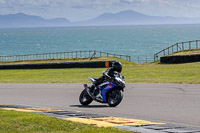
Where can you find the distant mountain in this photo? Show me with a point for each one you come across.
(23, 20)
(130, 17)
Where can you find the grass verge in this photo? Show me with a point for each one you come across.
(22, 122)
(134, 73)
(186, 52)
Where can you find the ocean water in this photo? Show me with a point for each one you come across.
(129, 40)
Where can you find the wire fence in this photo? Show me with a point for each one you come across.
(62, 55)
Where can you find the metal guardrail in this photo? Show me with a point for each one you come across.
(177, 47)
(62, 55)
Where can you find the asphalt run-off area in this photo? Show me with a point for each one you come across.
(174, 107)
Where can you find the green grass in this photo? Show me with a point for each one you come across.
(163, 73)
(186, 52)
(21, 122)
(134, 73)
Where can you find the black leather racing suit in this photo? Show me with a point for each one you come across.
(108, 74)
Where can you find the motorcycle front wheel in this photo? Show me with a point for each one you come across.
(85, 98)
(115, 97)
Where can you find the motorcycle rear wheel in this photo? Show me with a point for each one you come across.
(115, 97)
(85, 98)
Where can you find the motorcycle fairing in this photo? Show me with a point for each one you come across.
(106, 87)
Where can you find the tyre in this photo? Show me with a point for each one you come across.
(114, 97)
(84, 98)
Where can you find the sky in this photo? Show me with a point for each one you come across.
(77, 10)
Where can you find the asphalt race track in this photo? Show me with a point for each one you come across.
(168, 103)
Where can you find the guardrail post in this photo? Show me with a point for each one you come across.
(196, 44)
(164, 52)
(189, 44)
(168, 50)
(94, 53)
(177, 46)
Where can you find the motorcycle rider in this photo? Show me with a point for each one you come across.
(107, 75)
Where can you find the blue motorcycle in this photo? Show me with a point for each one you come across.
(110, 92)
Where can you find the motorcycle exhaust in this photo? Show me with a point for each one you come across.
(88, 91)
(93, 97)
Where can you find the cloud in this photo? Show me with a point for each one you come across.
(60, 3)
(2, 1)
(85, 9)
(97, 4)
(132, 1)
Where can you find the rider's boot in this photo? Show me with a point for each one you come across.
(91, 88)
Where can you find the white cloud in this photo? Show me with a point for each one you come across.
(2, 1)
